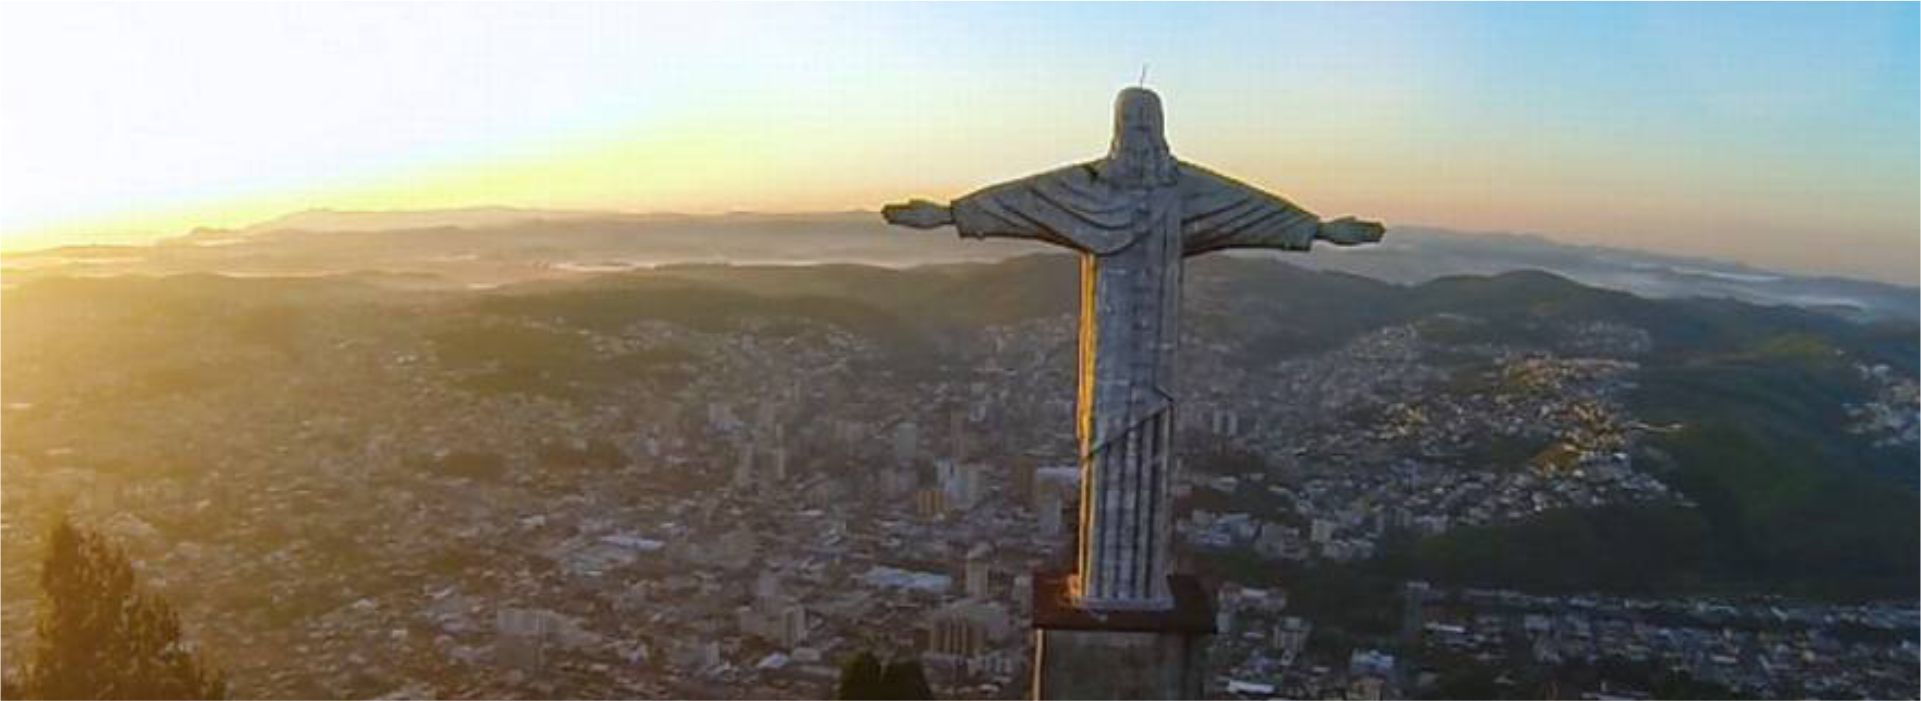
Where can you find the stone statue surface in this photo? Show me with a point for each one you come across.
(1133, 216)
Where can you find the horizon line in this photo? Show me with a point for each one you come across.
(535, 213)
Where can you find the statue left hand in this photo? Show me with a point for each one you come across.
(1348, 231)
(919, 214)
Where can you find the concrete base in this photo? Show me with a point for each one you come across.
(1081, 654)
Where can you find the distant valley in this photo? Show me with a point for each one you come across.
(489, 246)
(313, 439)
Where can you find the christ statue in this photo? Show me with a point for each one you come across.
(1133, 216)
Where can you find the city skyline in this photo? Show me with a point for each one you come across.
(1749, 128)
(1289, 350)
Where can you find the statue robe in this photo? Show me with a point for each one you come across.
(1132, 239)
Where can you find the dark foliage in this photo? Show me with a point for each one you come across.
(100, 638)
(864, 677)
(1642, 549)
(904, 679)
(860, 677)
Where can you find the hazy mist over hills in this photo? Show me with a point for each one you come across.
(562, 350)
(421, 427)
(493, 245)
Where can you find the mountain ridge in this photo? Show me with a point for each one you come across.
(489, 245)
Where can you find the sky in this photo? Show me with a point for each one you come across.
(1779, 135)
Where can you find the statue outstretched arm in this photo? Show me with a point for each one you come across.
(918, 214)
(1348, 231)
(1219, 212)
(1063, 207)
(971, 217)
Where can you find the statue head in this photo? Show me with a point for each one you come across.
(1139, 153)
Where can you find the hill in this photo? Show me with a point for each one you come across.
(496, 245)
(1786, 494)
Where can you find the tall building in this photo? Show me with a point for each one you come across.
(777, 463)
(778, 621)
(1224, 422)
(522, 638)
(1023, 589)
(930, 504)
(962, 482)
(767, 418)
(979, 572)
(1413, 605)
(733, 550)
(744, 466)
(1023, 481)
(1291, 633)
(767, 585)
(906, 443)
(697, 656)
(1060, 481)
(720, 417)
(1276, 540)
(1370, 663)
(898, 480)
(1226, 609)
(1048, 509)
(957, 430)
(1321, 531)
(1055, 488)
(967, 629)
(793, 625)
(773, 616)
(849, 432)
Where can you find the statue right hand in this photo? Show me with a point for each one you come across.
(1348, 231)
(919, 214)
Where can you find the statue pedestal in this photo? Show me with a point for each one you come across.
(1082, 654)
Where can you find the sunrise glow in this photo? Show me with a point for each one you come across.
(1745, 132)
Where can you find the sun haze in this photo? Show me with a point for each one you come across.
(1777, 135)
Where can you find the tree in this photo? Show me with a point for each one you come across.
(904, 679)
(863, 677)
(860, 677)
(99, 637)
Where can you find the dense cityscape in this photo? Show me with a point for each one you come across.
(364, 505)
(954, 350)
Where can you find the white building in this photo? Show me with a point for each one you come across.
(1322, 531)
(894, 578)
(521, 638)
(1224, 422)
(1048, 516)
(1060, 483)
(965, 637)
(979, 572)
(906, 440)
(962, 484)
(744, 467)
